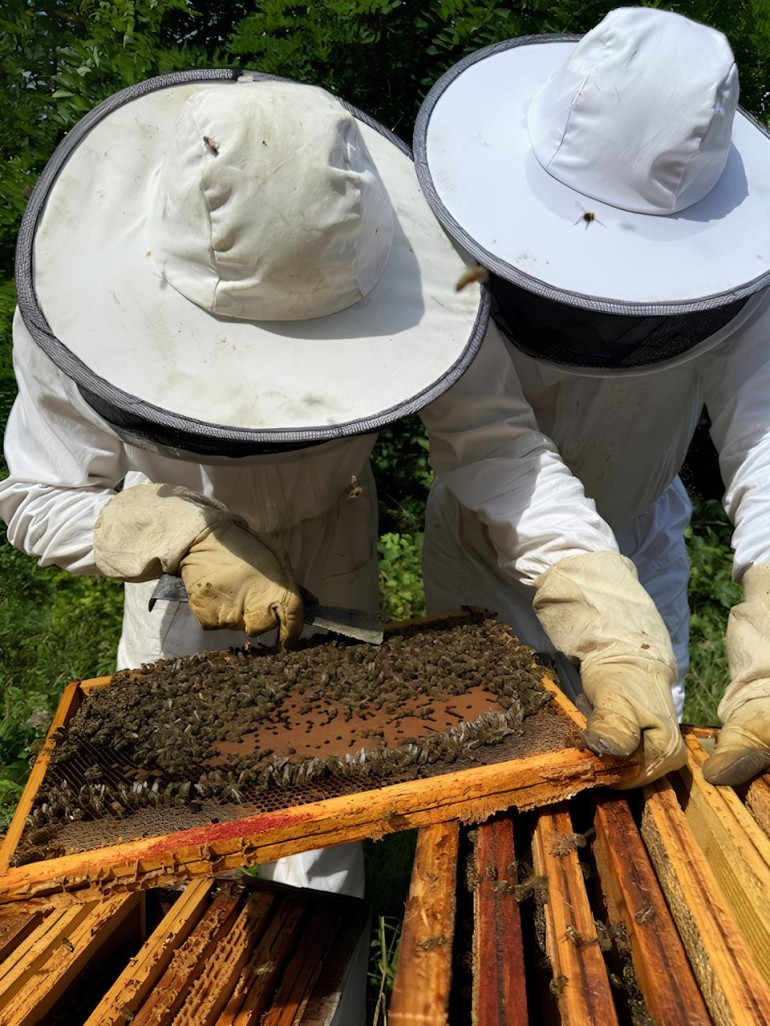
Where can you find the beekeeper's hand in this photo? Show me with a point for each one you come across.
(743, 747)
(594, 609)
(234, 578)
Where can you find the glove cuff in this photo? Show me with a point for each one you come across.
(145, 531)
(594, 609)
(747, 641)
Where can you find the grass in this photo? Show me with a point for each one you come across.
(711, 593)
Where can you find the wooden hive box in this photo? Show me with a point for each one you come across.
(249, 837)
(224, 952)
(612, 909)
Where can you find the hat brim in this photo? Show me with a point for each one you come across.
(477, 169)
(152, 360)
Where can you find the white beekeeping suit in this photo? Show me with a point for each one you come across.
(625, 221)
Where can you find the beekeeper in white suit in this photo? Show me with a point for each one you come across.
(226, 285)
(622, 202)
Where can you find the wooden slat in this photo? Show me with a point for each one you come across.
(299, 976)
(145, 969)
(34, 951)
(257, 982)
(68, 705)
(211, 991)
(94, 683)
(499, 986)
(15, 927)
(421, 989)
(635, 900)
(572, 944)
(188, 961)
(43, 986)
(757, 798)
(737, 850)
(730, 982)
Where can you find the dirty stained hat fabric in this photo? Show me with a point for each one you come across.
(612, 173)
(228, 263)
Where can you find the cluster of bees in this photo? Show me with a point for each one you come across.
(151, 734)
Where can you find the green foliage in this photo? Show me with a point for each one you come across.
(403, 473)
(383, 963)
(711, 594)
(401, 591)
(384, 55)
(54, 627)
(58, 59)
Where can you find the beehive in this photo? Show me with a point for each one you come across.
(644, 909)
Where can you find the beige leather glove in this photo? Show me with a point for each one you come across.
(234, 578)
(596, 612)
(743, 747)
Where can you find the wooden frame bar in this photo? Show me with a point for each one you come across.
(32, 986)
(68, 706)
(143, 972)
(734, 989)
(634, 900)
(737, 850)
(421, 991)
(499, 985)
(227, 953)
(581, 982)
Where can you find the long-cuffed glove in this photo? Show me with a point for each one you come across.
(594, 609)
(743, 747)
(234, 577)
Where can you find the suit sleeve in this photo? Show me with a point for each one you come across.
(487, 449)
(64, 463)
(735, 378)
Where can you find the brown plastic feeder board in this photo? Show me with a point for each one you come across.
(468, 795)
(603, 911)
(224, 952)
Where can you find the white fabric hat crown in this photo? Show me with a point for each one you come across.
(593, 128)
(270, 210)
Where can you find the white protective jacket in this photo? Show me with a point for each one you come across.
(65, 463)
(625, 436)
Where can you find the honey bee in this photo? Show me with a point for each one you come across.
(67, 943)
(577, 938)
(471, 274)
(211, 146)
(588, 217)
(354, 489)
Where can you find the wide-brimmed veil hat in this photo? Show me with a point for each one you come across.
(228, 262)
(613, 173)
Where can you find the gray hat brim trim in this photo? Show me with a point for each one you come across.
(141, 422)
(509, 271)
